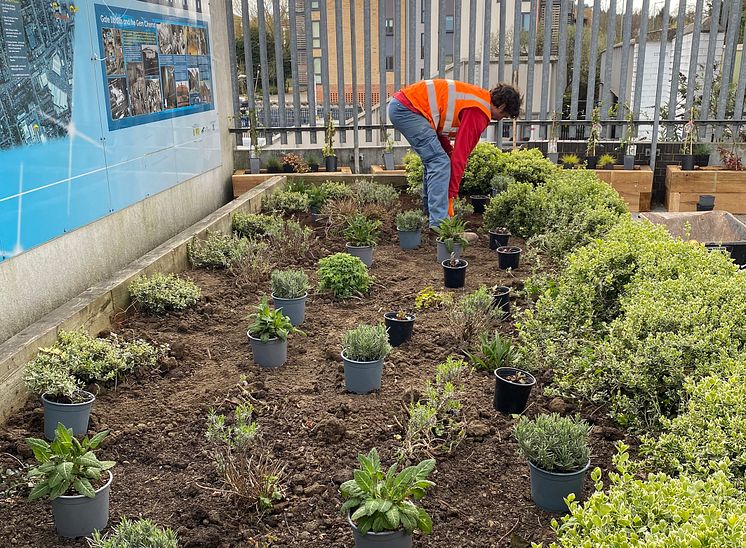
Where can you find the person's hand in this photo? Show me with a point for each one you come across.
(450, 207)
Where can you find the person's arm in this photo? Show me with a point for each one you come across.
(473, 123)
(445, 142)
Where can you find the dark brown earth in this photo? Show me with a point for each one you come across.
(157, 421)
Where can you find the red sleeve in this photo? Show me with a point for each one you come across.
(473, 123)
(445, 142)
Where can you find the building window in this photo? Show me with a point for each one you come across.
(317, 69)
(389, 63)
(315, 5)
(316, 32)
(449, 59)
(449, 23)
(422, 11)
(525, 21)
(422, 45)
(390, 27)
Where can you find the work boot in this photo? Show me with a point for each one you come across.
(471, 237)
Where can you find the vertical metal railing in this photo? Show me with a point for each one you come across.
(309, 65)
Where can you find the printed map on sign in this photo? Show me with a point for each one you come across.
(156, 66)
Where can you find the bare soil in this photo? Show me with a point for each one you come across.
(157, 420)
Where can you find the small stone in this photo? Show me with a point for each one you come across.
(331, 430)
(304, 535)
(315, 489)
(311, 526)
(557, 405)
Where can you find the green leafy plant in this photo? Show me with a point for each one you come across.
(494, 351)
(312, 159)
(411, 220)
(606, 160)
(629, 137)
(255, 266)
(519, 208)
(161, 293)
(384, 501)
(451, 232)
(702, 149)
(415, 172)
(436, 422)
(429, 298)
(218, 250)
(66, 466)
(286, 202)
(366, 343)
(344, 275)
(77, 359)
(330, 132)
(526, 166)
(254, 225)
(462, 208)
(239, 435)
(334, 190)
(388, 143)
(290, 242)
(554, 443)
(316, 198)
(269, 324)
(480, 168)
(366, 191)
(361, 231)
(273, 164)
(570, 160)
(595, 134)
(289, 284)
(658, 511)
(473, 314)
(499, 182)
(139, 533)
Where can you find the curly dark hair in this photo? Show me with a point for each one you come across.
(507, 96)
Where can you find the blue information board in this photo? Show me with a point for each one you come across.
(101, 105)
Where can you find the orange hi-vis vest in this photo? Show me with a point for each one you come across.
(441, 102)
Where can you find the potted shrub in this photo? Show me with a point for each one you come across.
(501, 298)
(628, 140)
(593, 138)
(381, 505)
(450, 238)
(289, 292)
(409, 225)
(363, 351)
(399, 326)
(454, 272)
(330, 156)
(273, 165)
(388, 153)
(687, 147)
(499, 237)
(292, 163)
(478, 201)
(702, 154)
(344, 275)
(268, 334)
(313, 162)
(361, 234)
(606, 161)
(70, 475)
(508, 256)
(255, 163)
(512, 389)
(570, 161)
(558, 455)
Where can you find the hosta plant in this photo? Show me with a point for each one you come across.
(289, 284)
(218, 250)
(344, 275)
(451, 232)
(269, 324)
(493, 351)
(361, 231)
(66, 466)
(379, 500)
(554, 443)
(411, 220)
(139, 533)
(161, 293)
(366, 343)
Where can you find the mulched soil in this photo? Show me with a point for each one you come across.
(157, 421)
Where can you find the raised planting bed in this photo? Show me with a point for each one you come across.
(381, 170)
(308, 421)
(243, 180)
(635, 186)
(683, 188)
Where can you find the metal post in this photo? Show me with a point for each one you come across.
(626, 40)
(280, 70)
(248, 55)
(562, 61)
(264, 60)
(741, 87)
(441, 38)
(590, 92)
(353, 62)
(734, 27)
(675, 68)
(310, 69)
(693, 56)
(382, 64)
(641, 50)
(457, 40)
(368, 72)
(576, 68)
(531, 62)
(397, 53)
(428, 34)
(486, 43)
(659, 86)
(325, 84)
(339, 34)
(501, 41)
(292, 7)
(517, 31)
(545, 83)
(472, 40)
(709, 69)
(610, 41)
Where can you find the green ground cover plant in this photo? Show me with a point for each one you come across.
(161, 293)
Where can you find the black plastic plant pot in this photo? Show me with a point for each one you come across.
(607, 166)
(592, 162)
(479, 201)
(273, 169)
(331, 163)
(384, 539)
(508, 257)
(566, 165)
(702, 160)
(501, 298)
(400, 331)
(706, 202)
(498, 239)
(313, 167)
(687, 162)
(512, 389)
(454, 277)
(287, 168)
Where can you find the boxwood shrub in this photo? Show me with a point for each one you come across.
(480, 167)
